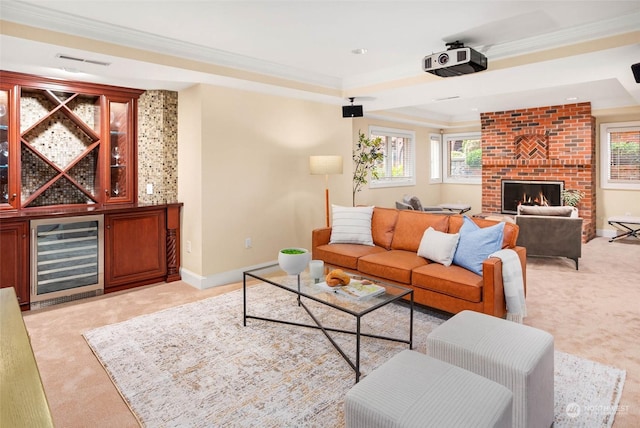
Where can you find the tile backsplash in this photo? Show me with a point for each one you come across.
(158, 146)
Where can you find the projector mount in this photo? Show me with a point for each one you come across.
(454, 45)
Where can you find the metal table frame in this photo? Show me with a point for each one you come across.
(622, 223)
(456, 208)
(318, 324)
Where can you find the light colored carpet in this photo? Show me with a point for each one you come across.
(173, 371)
(587, 393)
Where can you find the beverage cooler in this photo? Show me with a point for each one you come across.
(67, 259)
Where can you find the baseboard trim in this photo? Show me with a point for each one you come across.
(223, 278)
(232, 276)
(607, 233)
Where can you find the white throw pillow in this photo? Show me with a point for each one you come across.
(351, 225)
(438, 246)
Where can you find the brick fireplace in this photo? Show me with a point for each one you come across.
(546, 143)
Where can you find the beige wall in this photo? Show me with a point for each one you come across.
(609, 202)
(429, 193)
(243, 164)
(614, 202)
(244, 173)
(190, 181)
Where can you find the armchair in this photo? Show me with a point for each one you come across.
(403, 206)
(550, 231)
(413, 203)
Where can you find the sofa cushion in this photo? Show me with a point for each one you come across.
(450, 280)
(395, 265)
(563, 211)
(351, 225)
(438, 246)
(476, 244)
(511, 230)
(344, 255)
(411, 226)
(383, 223)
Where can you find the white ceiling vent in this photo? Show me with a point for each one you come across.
(88, 61)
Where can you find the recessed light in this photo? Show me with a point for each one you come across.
(359, 51)
(571, 98)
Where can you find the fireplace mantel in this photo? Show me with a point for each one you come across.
(534, 162)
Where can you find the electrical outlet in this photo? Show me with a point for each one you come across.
(188, 246)
(149, 189)
(247, 242)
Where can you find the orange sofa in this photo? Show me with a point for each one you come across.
(397, 235)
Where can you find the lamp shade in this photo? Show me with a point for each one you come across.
(325, 165)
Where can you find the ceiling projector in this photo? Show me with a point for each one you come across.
(455, 61)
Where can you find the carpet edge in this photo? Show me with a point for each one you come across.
(110, 376)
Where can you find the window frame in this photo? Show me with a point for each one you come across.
(605, 155)
(395, 181)
(435, 158)
(446, 178)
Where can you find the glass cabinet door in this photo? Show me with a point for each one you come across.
(66, 144)
(121, 154)
(7, 197)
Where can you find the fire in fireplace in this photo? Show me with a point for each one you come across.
(529, 192)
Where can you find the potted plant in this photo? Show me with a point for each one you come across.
(572, 197)
(293, 260)
(367, 153)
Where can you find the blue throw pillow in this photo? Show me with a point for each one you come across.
(476, 244)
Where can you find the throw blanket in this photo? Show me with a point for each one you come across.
(513, 284)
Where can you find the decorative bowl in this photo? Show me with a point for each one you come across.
(293, 260)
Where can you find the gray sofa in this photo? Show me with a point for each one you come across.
(550, 231)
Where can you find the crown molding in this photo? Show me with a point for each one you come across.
(567, 36)
(562, 38)
(41, 17)
(48, 19)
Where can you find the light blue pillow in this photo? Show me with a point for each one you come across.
(476, 244)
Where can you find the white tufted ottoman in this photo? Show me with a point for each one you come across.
(415, 390)
(514, 355)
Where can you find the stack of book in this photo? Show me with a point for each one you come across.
(356, 289)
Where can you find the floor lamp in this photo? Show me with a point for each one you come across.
(325, 165)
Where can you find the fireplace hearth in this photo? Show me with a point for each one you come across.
(530, 192)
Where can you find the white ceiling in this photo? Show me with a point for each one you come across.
(311, 42)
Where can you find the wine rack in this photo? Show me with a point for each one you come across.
(69, 144)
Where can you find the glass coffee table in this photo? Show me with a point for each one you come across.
(303, 287)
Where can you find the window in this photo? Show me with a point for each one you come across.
(620, 155)
(398, 166)
(462, 158)
(435, 172)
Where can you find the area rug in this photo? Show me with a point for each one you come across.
(196, 365)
